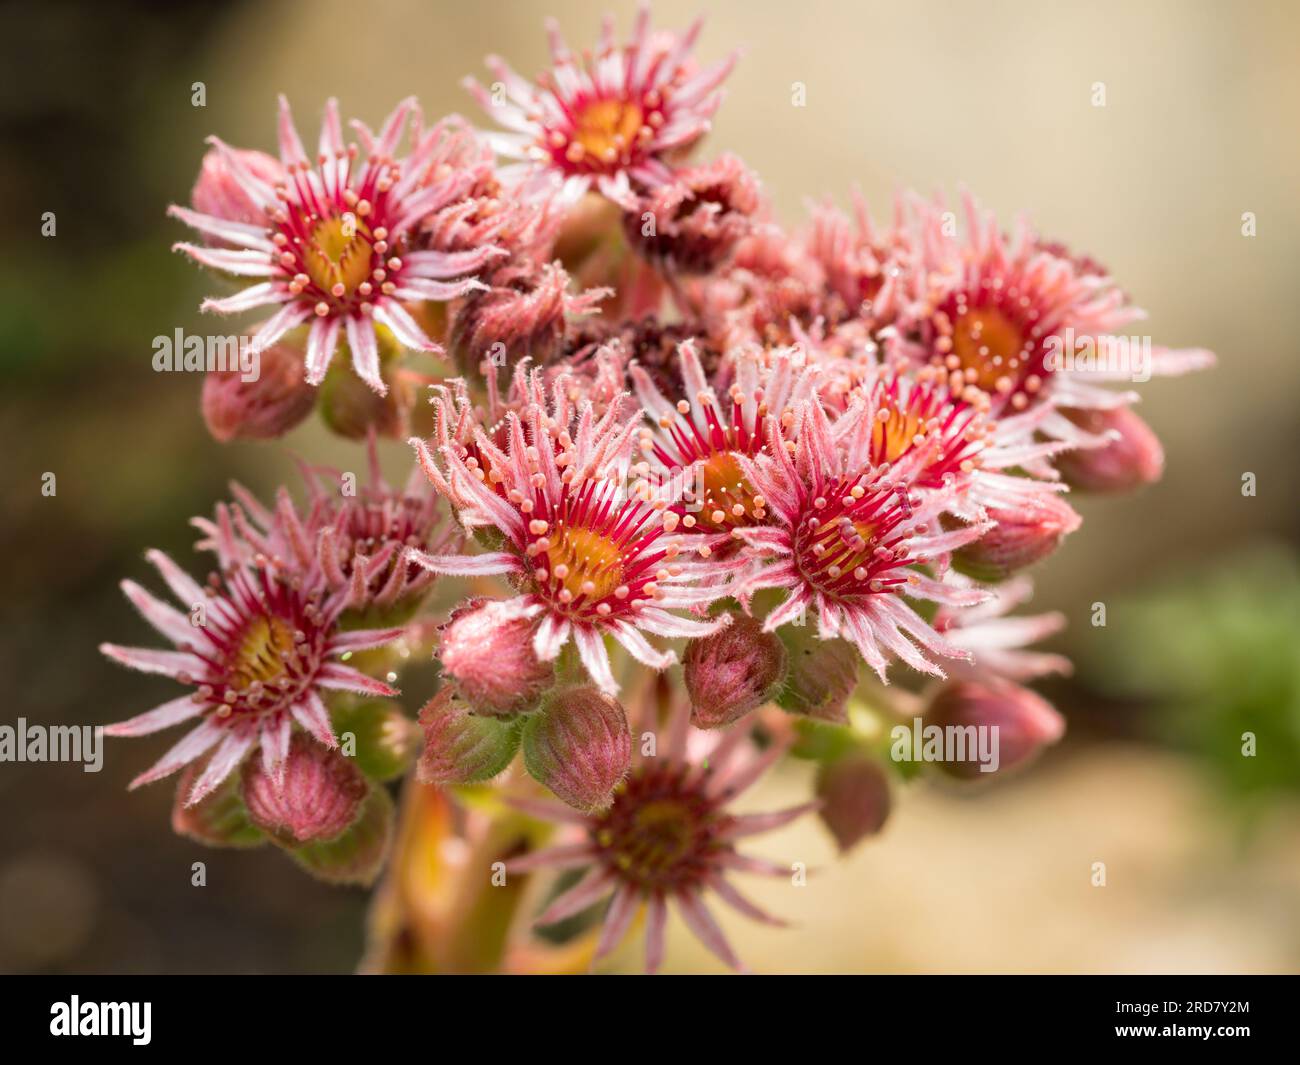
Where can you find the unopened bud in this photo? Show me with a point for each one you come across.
(1132, 459)
(351, 408)
(216, 192)
(1019, 538)
(525, 319)
(854, 793)
(486, 650)
(732, 671)
(822, 675)
(461, 747)
(263, 408)
(316, 798)
(1019, 721)
(579, 745)
(692, 224)
(385, 739)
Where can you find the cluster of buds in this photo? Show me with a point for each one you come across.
(812, 462)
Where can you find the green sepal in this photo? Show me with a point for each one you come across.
(357, 855)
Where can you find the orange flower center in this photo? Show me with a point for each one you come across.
(729, 499)
(580, 563)
(338, 253)
(893, 436)
(606, 129)
(991, 349)
(260, 656)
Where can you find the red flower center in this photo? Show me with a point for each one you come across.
(847, 545)
(661, 833)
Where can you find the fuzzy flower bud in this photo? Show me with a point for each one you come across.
(579, 745)
(1021, 721)
(461, 747)
(317, 798)
(822, 675)
(733, 671)
(693, 224)
(217, 193)
(351, 408)
(854, 793)
(1132, 459)
(261, 409)
(1018, 539)
(524, 319)
(487, 653)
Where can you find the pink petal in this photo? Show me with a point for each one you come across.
(182, 585)
(655, 929)
(566, 856)
(345, 678)
(363, 639)
(148, 660)
(223, 763)
(241, 262)
(408, 333)
(737, 901)
(315, 718)
(165, 619)
(622, 908)
(365, 353)
(193, 745)
(157, 719)
(701, 922)
(322, 341)
(584, 893)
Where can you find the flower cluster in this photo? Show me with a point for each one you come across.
(807, 467)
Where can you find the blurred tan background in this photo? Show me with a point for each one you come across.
(1200, 123)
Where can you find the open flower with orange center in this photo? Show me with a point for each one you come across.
(848, 539)
(1008, 315)
(667, 836)
(337, 240)
(893, 412)
(701, 438)
(257, 644)
(586, 540)
(612, 120)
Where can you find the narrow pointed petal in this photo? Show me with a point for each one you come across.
(345, 678)
(566, 856)
(701, 922)
(618, 918)
(725, 891)
(193, 745)
(365, 353)
(313, 715)
(393, 315)
(165, 619)
(586, 892)
(148, 660)
(656, 926)
(224, 760)
(322, 341)
(157, 719)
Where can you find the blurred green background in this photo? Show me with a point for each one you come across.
(1202, 643)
